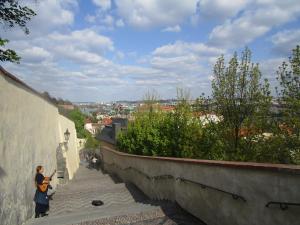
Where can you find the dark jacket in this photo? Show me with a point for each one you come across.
(40, 197)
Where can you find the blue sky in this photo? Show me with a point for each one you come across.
(106, 50)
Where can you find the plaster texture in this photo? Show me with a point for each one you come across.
(30, 132)
(71, 151)
(257, 186)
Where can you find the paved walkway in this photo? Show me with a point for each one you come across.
(123, 203)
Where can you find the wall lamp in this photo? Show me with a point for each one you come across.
(67, 137)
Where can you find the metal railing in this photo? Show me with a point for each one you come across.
(283, 205)
(233, 195)
(180, 179)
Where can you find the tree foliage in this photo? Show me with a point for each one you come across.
(242, 100)
(12, 14)
(91, 142)
(8, 54)
(246, 129)
(289, 79)
(78, 118)
(158, 133)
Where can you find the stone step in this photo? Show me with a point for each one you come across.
(123, 203)
(97, 213)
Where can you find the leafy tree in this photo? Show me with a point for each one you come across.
(13, 14)
(49, 97)
(184, 129)
(78, 118)
(163, 134)
(144, 135)
(289, 78)
(242, 101)
(91, 142)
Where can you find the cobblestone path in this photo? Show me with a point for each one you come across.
(123, 204)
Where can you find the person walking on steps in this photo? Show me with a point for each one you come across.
(41, 198)
(94, 161)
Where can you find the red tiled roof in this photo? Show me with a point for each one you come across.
(167, 108)
(106, 121)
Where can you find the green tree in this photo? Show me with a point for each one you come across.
(144, 135)
(289, 78)
(78, 118)
(91, 142)
(242, 101)
(158, 133)
(12, 14)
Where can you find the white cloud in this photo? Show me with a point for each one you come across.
(67, 62)
(103, 20)
(80, 47)
(103, 4)
(35, 54)
(141, 13)
(175, 28)
(108, 20)
(285, 41)
(94, 73)
(220, 9)
(188, 63)
(269, 67)
(51, 14)
(80, 56)
(120, 23)
(183, 48)
(90, 18)
(120, 55)
(254, 23)
(86, 39)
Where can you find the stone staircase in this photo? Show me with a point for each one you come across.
(123, 203)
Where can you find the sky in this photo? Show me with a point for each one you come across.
(108, 50)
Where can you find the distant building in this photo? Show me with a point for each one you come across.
(122, 121)
(66, 106)
(106, 121)
(210, 118)
(156, 107)
(167, 108)
(92, 128)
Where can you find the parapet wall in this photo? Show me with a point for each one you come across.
(217, 192)
(30, 132)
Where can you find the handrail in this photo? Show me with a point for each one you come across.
(167, 176)
(234, 196)
(283, 205)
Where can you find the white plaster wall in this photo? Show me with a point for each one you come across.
(30, 132)
(28, 137)
(80, 143)
(72, 153)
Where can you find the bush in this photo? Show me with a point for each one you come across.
(91, 142)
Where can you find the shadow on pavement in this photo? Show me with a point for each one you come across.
(171, 209)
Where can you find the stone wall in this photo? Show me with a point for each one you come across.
(217, 192)
(30, 132)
